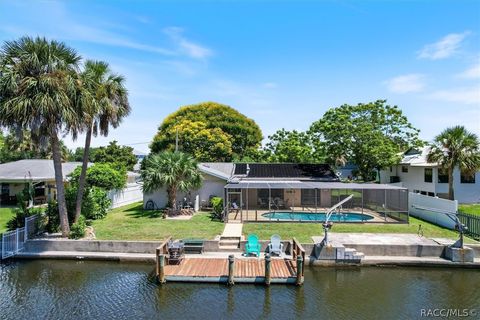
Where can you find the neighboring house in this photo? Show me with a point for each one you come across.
(419, 176)
(140, 155)
(40, 172)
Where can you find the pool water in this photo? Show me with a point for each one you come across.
(307, 216)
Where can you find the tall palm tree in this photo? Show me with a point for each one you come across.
(104, 98)
(455, 147)
(173, 170)
(37, 93)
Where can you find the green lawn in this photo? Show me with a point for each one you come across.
(133, 223)
(304, 231)
(5, 215)
(470, 208)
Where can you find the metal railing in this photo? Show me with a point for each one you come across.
(14, 241)
(472, 222)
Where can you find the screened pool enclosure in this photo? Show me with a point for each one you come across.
(309, 201)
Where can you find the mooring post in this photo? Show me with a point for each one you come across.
(299, 280)
(161, 268)
(268, 265)
(231, 269)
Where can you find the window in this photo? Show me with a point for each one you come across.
(405, 169)
(467, 177)
(391, 169)
(428, 175)
(442, 175)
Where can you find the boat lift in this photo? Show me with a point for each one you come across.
(327, 225)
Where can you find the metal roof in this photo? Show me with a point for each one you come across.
(266, 184)
(33, 169)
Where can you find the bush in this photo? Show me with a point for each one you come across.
(18, 221)
(101, 175)
(77, 230)
(53, 220)
(96, 203)
(217, 206)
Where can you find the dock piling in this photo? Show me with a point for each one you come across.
(231, 269)
(161, 268)
(299, 280)
(268, 264)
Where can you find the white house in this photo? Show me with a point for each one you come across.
(417, 175)
(215, 177)
(40, 172)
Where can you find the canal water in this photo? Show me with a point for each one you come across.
(48, 289)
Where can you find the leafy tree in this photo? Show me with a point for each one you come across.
(455, 147)
(101, 175)
(292, 146)
(104, 99)
(17, 146)
(208, 125)
(371, 135)
(174, 170)
(37, 93)
(118, 156)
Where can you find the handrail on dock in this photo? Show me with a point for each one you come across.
(298, 250)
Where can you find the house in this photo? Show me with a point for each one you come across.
(417, 175)
(40, 172)
(255, 191)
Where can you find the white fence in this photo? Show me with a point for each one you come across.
(13, 241)
(433, 209)
(132, 193)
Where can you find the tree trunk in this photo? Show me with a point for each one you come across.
(83, 175)
(172, 197)
(62, 205)
(451, 194)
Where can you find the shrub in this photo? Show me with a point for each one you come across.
(96, 203)
(77, 230)
(18, 220)
(101, 175)
(53, 220)
(217, 206)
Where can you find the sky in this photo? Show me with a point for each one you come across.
(281, 63)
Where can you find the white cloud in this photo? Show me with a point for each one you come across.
(413, 82)
(471, 73)
(186, 46)
(444, 48)
(466, 95)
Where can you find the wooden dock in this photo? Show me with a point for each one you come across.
(246, 270)
(233, 270)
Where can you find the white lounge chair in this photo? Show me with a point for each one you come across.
(275, 246)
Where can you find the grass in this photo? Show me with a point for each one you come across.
(470, 208)
(304, 231)
(5, 215)
(133, 223)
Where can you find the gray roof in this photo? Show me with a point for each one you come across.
(290, 184)
(222, 170)
(34, 169)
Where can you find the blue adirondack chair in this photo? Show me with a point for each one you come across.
(252, 245)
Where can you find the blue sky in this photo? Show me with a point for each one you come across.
(281, 63)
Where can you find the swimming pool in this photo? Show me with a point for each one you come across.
(308, 216)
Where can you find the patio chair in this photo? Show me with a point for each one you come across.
(252, 245)
(275, 246)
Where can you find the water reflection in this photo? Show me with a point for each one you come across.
(66, 289)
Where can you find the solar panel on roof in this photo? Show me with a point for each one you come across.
(286, 170)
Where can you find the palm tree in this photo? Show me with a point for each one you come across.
(455, 147)
(37, 93)
(174, 170)
(104, 98)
